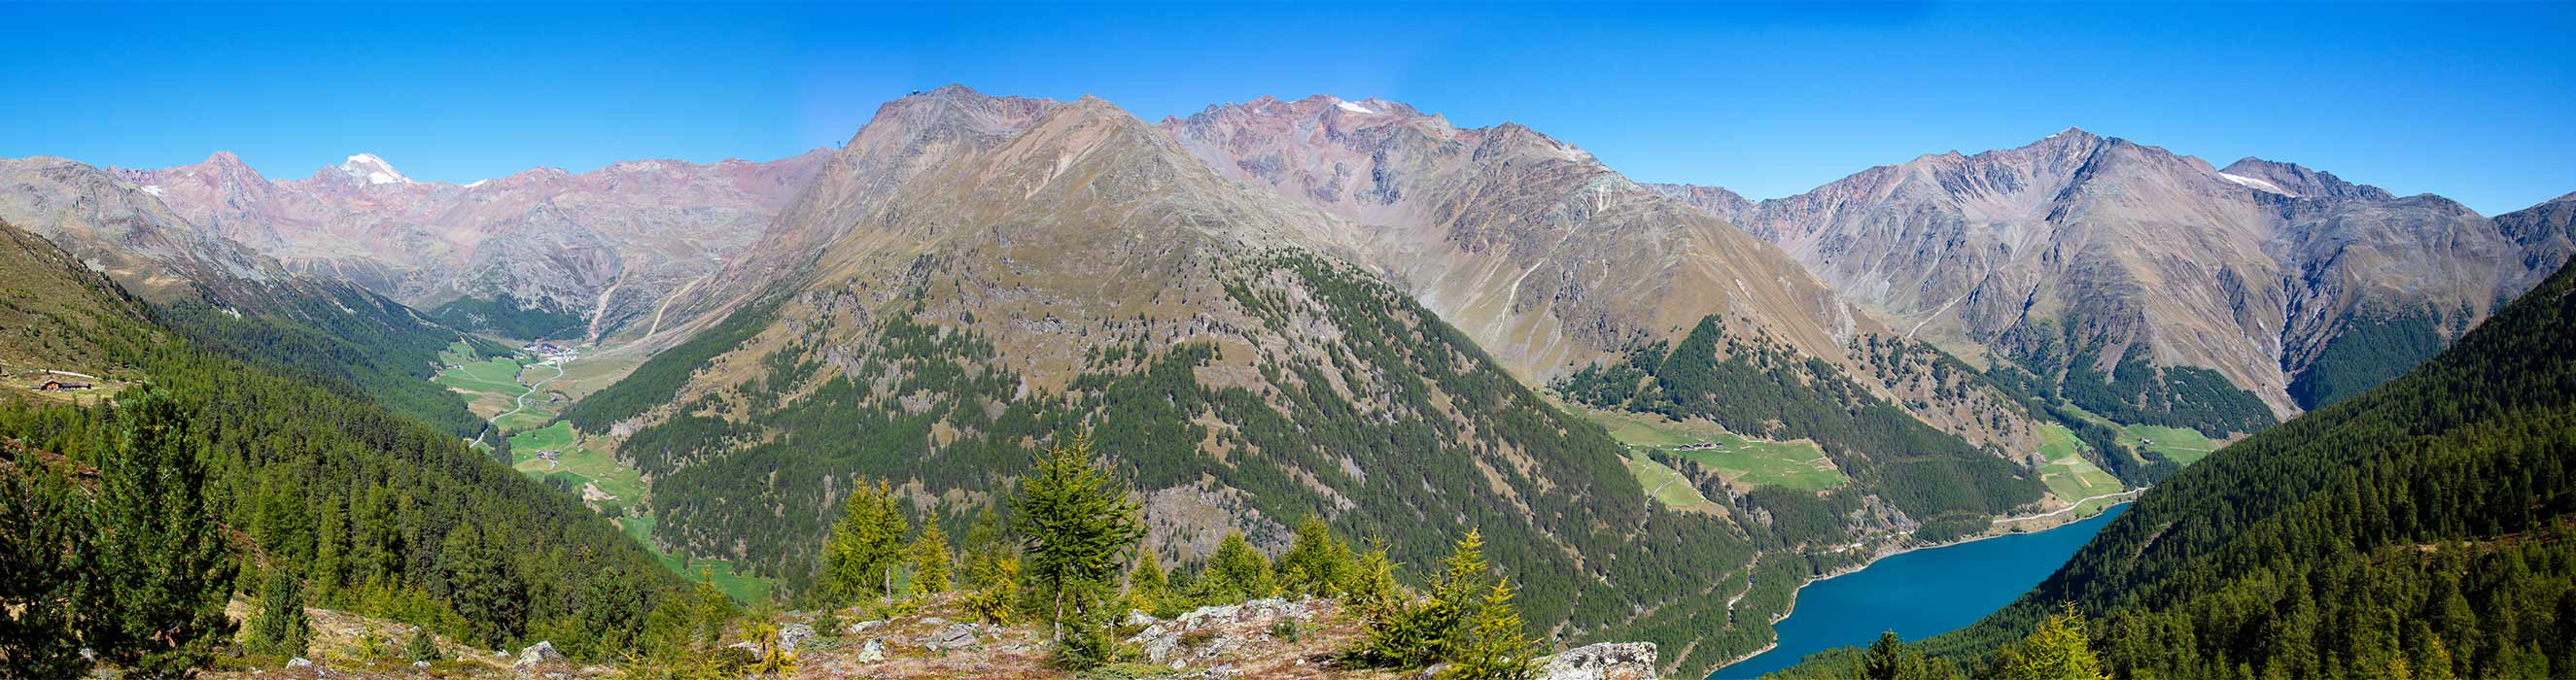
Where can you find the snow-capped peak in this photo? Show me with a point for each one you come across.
(374, 170)
(1354, 107)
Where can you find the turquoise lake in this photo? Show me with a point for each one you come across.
(1919, 594)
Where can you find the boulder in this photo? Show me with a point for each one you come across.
(1605, 661)
(1140, 619)
(539, 654)
(873, 651)
(299, 662)
(793, 634)
(955, 636)
(862, 627)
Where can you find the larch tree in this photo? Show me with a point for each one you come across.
(1075, 525)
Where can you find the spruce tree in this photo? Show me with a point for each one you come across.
(930, 559)
(163, 569)
(865, 546)
(1075, 525)
(282, 629)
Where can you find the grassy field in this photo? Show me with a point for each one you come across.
(2181, 444)
(585, 463)
(1742, 461)
(1667, 486)
(2068, 474)
(488, 385)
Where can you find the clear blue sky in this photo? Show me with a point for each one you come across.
(2471, 101)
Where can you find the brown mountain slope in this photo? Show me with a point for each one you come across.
(56, 314)
(1546, 257)
(2087, 252)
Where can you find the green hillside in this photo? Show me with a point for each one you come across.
(2425, 528)
(374, 511)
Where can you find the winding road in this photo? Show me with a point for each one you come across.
(532, 389)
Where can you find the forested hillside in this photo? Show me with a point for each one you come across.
(2426, 528)
(368, 510)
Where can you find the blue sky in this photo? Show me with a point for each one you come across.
(2471, 101)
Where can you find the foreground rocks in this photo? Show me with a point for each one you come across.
(1605, 661)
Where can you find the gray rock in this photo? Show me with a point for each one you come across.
(420, 664)
(872, 652)
(1605, 661)
(299, 662)
(793, 634)
(539, 654)
(955, 636)
(862, 627)
(1140, 619)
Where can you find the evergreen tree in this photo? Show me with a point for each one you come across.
(420, 647)
(1236, 572)
(860, 556)
(930, 560)
(1322, 563)
(44, 530)
(1373, 591)
(2058, 650)
(1403, 634)
(163, 569)
(1075, 525)
(1149, 589)
(282, 629)
(997, 600)
(481, 585)
(1496, 646)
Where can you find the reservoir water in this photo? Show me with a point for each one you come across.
(1919, 594)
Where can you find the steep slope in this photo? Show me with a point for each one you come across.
(56, 314)
(2127, 273)
(541, 253)
(376, 511)
(230, 298)
(1551, 260)
(2429, 523)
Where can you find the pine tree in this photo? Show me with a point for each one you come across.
(1075, 526)
(930, 559)
(1399, 633)
(1322, 562)
(282, 629)
(865, 546)
(44, 531)
(2058, 650)
(1496, 647)
(163, 569)
(1236, 572)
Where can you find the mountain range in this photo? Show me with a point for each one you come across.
(581, 256)
(1346, 309)
(2082, 252)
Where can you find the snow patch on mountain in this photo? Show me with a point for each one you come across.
(2255, 184)
(1354, 108)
